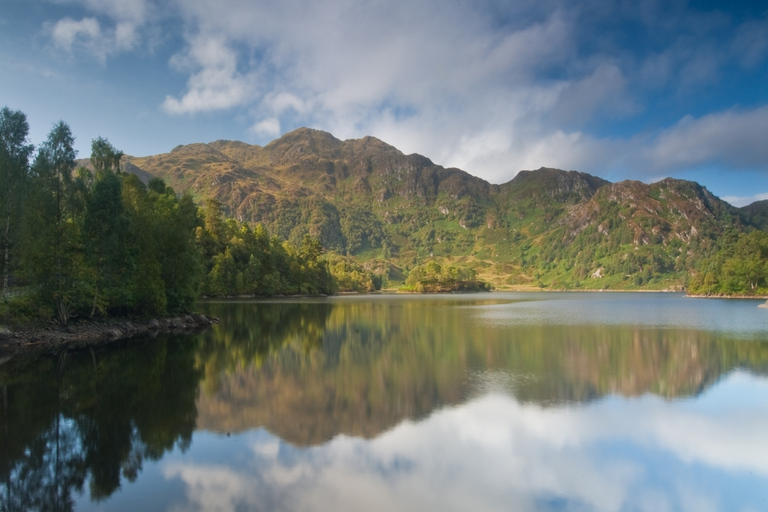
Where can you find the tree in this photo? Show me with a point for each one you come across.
(53, 258)
(106, 231)
(104, 157)
(167, 262)
(14, 176)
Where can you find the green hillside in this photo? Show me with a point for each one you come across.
(390, 211)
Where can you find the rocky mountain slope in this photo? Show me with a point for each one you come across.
(365, 198)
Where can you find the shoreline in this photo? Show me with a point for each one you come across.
(735, 297)
(52, 337)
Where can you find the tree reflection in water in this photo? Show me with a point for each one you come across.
(308, 370)
(92, 416)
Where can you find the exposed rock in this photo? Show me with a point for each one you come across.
(44, 337)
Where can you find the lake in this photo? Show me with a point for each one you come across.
(487, 402)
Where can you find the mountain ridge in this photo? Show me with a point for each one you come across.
(365, 198)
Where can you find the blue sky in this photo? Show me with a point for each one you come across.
(621, 89)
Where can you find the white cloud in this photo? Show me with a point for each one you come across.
(603, 92)
(120, 32)
(125, 35)
(448, 81)
(281, 102)
(437, 72)
(216, 83)
(269, 127)
(90, 36)
(490, 87)
(734, 138)
(67, 32)
(745, 200)
(750, 45)
(214, 488)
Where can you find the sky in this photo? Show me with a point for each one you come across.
(621, 89)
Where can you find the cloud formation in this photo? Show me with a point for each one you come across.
(491, 87)
(733, 138)
(215, 82)
(89, 36)
(92, 36)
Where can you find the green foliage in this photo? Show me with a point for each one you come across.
(739, 268)
(104, 157)
(361, 229)
(244, 261)
(105, 235)
(15, 152)
(432, 277)
(353, 276)
(53, 257)
(101, 242)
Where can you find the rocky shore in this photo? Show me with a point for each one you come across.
(52, 336)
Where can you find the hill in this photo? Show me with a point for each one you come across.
(366, 199)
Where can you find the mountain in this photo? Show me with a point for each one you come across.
(365, 198)
(757, 213)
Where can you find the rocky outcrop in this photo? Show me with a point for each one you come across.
(52, 336)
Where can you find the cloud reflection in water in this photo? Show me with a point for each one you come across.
(496, 453)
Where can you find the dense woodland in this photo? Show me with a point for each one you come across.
(739, 267)
(83, 241)
(434, 278)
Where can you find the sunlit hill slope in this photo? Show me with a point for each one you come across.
(548, 227)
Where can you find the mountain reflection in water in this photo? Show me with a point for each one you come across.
(502, 401)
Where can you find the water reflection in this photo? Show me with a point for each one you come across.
(92, 417)
(496, 453)
(360, 366)
(526, 402)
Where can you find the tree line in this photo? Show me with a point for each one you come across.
(83, 241)
(739, 267)
(432, 277)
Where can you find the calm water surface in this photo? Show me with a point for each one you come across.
(526, 402)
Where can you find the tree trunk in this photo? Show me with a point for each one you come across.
(95, 299)
(6, 256)
(63, 310)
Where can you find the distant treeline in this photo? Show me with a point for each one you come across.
(80, 242)
(244, 261)
(434, 278)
